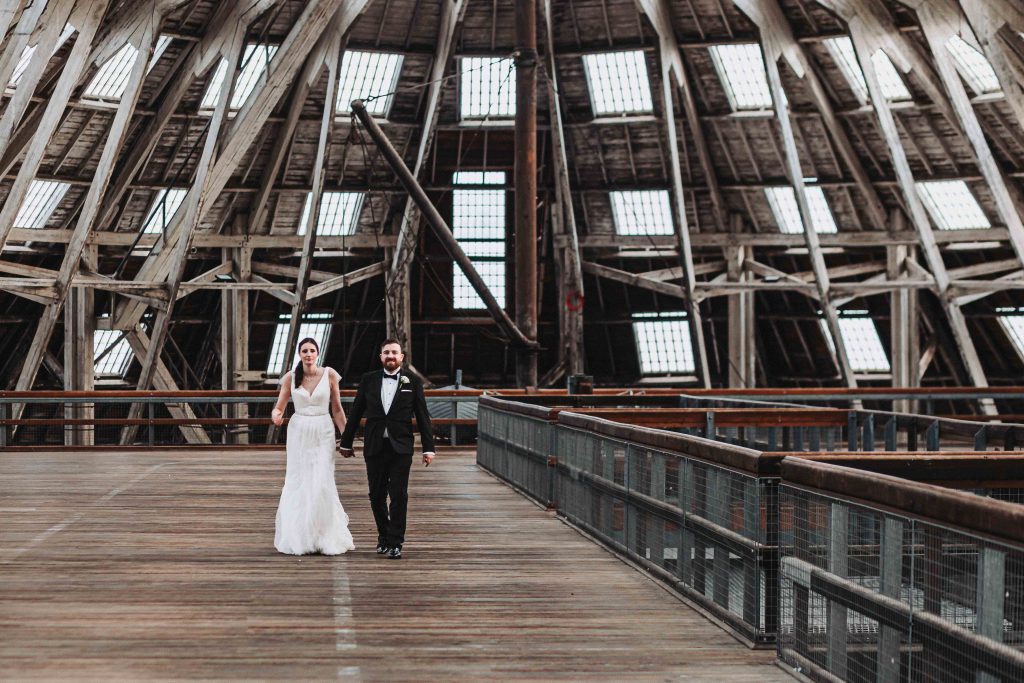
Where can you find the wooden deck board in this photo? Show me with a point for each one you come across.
(145, 565)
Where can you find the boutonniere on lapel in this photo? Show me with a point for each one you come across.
(403, 380)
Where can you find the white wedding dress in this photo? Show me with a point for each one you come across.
(310, 518)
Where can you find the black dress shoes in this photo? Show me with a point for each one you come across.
(395, 553)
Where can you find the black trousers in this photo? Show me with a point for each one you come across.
(388, 476)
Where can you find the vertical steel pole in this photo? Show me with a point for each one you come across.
(526, 187)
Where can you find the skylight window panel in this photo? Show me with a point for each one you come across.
(366, 75)
(663, 343)
(42, 198)
(618, 82)
(787, 212)
(642, 212)
(315, 325)
(112, 78)
(892, 85)
(111, 352)
(478, 223)
(491, 272)
(254, 64)
(863, 345)
(22, 65)
(478, 178)
(951, 205)
(889, 78)
(339, 213)
(162, 211)
(26, 54)
(845, 57)
(161, 45)
(973, 66)
(1013, 325)
(741, 69)
(487, 87)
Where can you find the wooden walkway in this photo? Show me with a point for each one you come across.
(161, 564)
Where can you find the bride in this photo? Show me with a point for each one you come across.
(310, 517)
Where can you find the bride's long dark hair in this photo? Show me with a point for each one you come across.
(298, 366)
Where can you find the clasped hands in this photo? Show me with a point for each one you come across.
(350, 453)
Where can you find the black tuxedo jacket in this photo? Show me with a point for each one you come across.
(408, 402)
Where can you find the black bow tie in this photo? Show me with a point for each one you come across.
(394, 377)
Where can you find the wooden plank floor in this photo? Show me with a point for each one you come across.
(161, 565)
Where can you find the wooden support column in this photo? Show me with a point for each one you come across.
(567, 258)
(234, 340)
(742, 331)
(79, 370)
(905, 352)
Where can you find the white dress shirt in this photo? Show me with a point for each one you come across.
(388, 389)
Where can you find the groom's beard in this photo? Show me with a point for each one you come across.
(391, 365)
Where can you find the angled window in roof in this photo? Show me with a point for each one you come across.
(165, 204)
(42, 198)
(161, 46)
(642, 212)
(254, 65)
(487, 87)
(111, 79)
(618, 82)
(22, 65)
(371, 77)
(951, 205)
(1013, 325)
(863, 345)
(663, 343)
(787, 212)
(315, 325)
(973, 66)
(112, 355)
(892, 85)
(889, 78)
(339, 213)
(845, 57)
(26, 55)
(741, 69)
(479, 216)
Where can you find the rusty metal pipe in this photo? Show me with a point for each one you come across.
(526, 186)
(440, 227)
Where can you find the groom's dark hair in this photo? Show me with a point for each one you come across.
(391, 341)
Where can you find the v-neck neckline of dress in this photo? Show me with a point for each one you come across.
(316, 386)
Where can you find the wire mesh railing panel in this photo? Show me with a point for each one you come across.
(701, 528)
(876, 595)
(516, 448)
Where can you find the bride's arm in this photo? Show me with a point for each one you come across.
(277, 414)
(336, 411)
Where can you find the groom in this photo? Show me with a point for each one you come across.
(389, 399)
